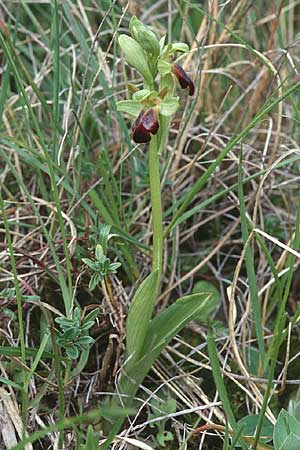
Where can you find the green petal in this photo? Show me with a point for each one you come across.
(163, 67)
(180, 47)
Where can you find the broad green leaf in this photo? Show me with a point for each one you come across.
(135, 56)
(139, 315)
(248, 426)
(285, 425)
(132, 107)
(159, 333)
(204, 287)
(292, 442)
(294, 406)
(170, 321)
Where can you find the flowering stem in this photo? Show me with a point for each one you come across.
(156, 204)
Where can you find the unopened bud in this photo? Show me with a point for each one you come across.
(135, 56)
(144, 36)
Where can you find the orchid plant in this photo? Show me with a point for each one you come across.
(153, 105)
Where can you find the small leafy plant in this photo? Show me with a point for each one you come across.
(101, 266)
(158, 409)
(73, 335)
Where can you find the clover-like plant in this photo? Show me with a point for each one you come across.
(101, 265)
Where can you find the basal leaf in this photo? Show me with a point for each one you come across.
(159, 333)
(139, 315)
(285, 426)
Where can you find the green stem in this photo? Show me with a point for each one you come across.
(156, 205)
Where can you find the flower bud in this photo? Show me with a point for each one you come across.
(135, 56)
(144, 36)
(145, 123)
(183, 78)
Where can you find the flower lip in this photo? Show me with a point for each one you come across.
(183, 78)
(145, 124)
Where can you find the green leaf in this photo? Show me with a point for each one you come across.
(104, 236)
(159, 333)
(169, 106)
(10, 383)
(163, 437)
(132, 107)
(29, 353)
(248, 426)
(294, 406)
(215, 299)
(285, 426)
(139, 315)
(99, 252)
(135, 56)
(84, 356)
(96, 278)
(292, 442)
(91, 316)
(85, 340)
(170, 321)
(91, 264)
(114, 266)
(69, 334)
(72, 352)
(91, 439)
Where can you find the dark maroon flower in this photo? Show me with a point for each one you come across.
(183, 78)
(145, 123)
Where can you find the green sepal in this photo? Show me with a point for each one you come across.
(169, 106)
(131, 107)
(164, 67)
(180, 47)
(141, 95)
(167, 82)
